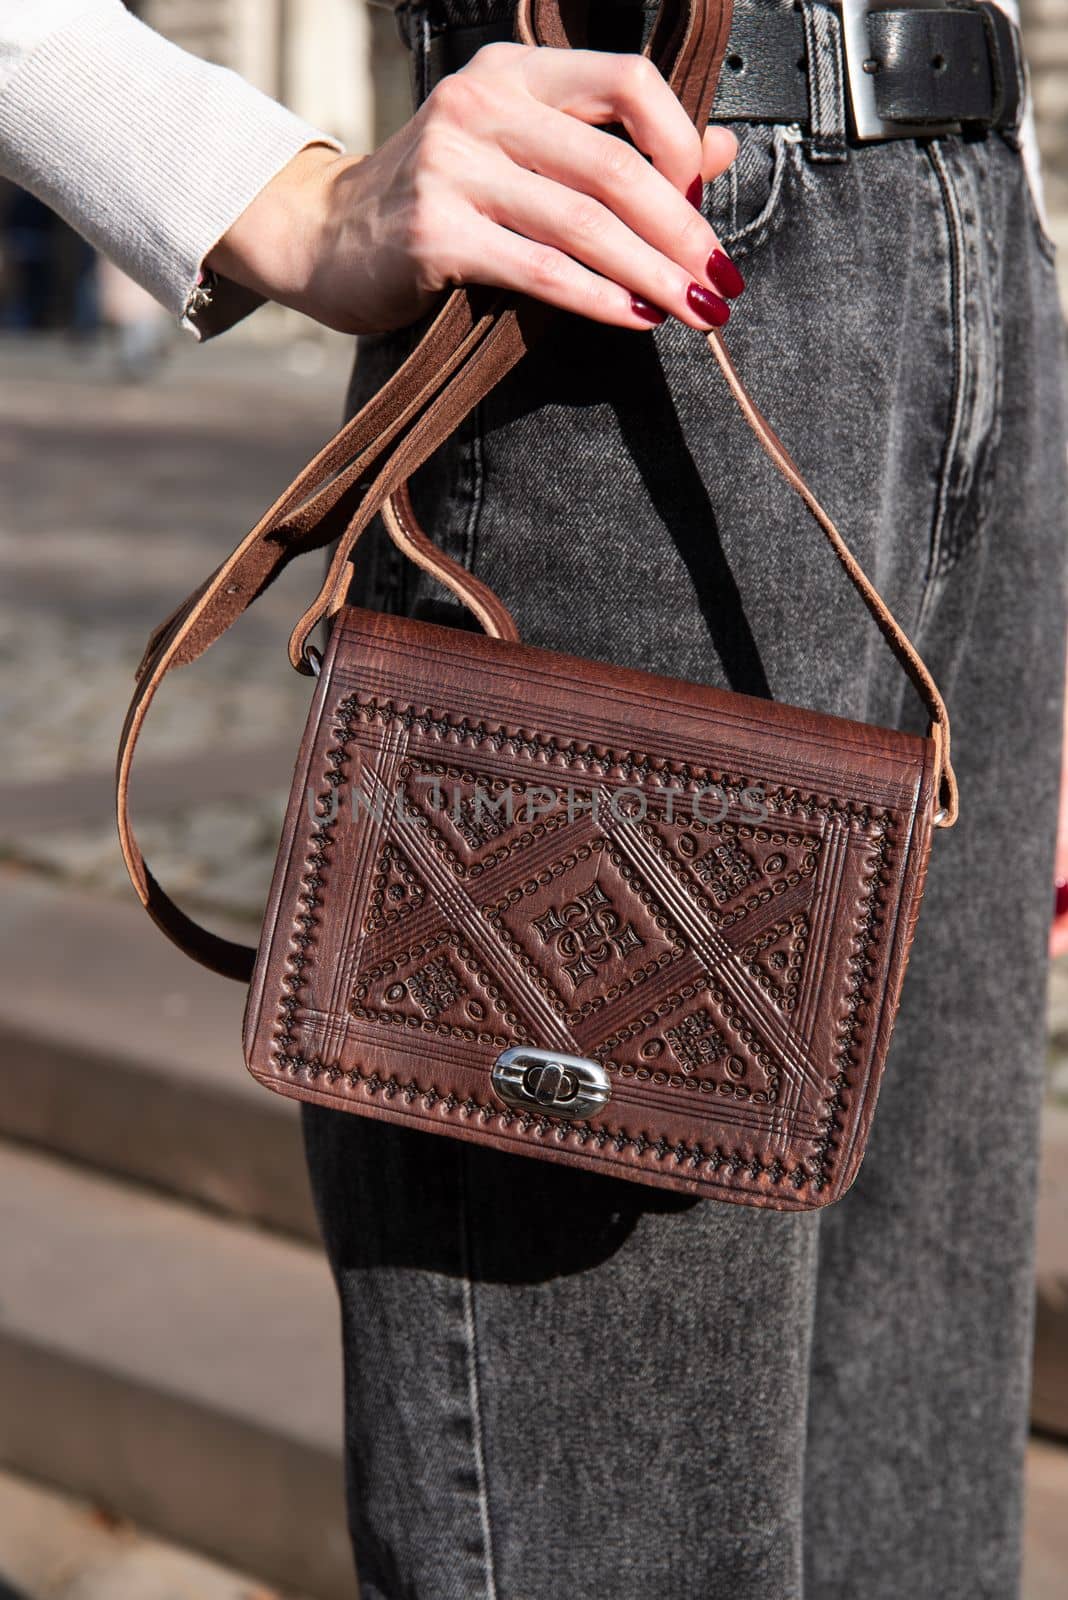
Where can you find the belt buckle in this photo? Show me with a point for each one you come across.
(856, 50)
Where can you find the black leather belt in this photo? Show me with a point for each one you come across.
(910, 72)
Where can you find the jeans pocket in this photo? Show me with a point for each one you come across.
(1014, 154)
(746, 203)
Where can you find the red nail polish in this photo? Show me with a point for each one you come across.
(645, 308)
(1060, 900)
(696, 192)
(725, 275)
(709, 306)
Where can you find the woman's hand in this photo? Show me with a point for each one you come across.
(502, 177)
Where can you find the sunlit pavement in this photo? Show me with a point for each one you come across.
(117, 500)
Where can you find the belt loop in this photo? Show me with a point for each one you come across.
(418, 38)
(826, 82)
(1008, 70)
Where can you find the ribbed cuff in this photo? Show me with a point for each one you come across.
(147, 151)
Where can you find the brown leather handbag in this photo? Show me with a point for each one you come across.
(570, 910)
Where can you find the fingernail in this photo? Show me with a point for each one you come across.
(725, 275)
(707, 305)
(696, 192)
(645, 308)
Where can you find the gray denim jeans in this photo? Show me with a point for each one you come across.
(562, 1384)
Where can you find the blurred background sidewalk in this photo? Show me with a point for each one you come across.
(169, 1364)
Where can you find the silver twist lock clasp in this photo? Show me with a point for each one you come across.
(550, 1081)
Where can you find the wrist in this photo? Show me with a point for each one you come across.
(274, 245)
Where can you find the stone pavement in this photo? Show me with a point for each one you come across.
(117, 501)
(56, 1547)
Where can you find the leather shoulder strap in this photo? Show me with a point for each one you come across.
(909, 657)
(476, 338)
(496, 340)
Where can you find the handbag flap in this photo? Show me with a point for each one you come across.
(710, 896)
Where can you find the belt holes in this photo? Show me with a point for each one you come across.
(938, 63)
(735, 62)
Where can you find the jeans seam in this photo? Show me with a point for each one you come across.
(959, 323)
(478, 478)
(473, 1386)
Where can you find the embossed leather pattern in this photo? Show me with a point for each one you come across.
(709, 895)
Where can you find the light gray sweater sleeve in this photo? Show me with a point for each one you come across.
(147, 151)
